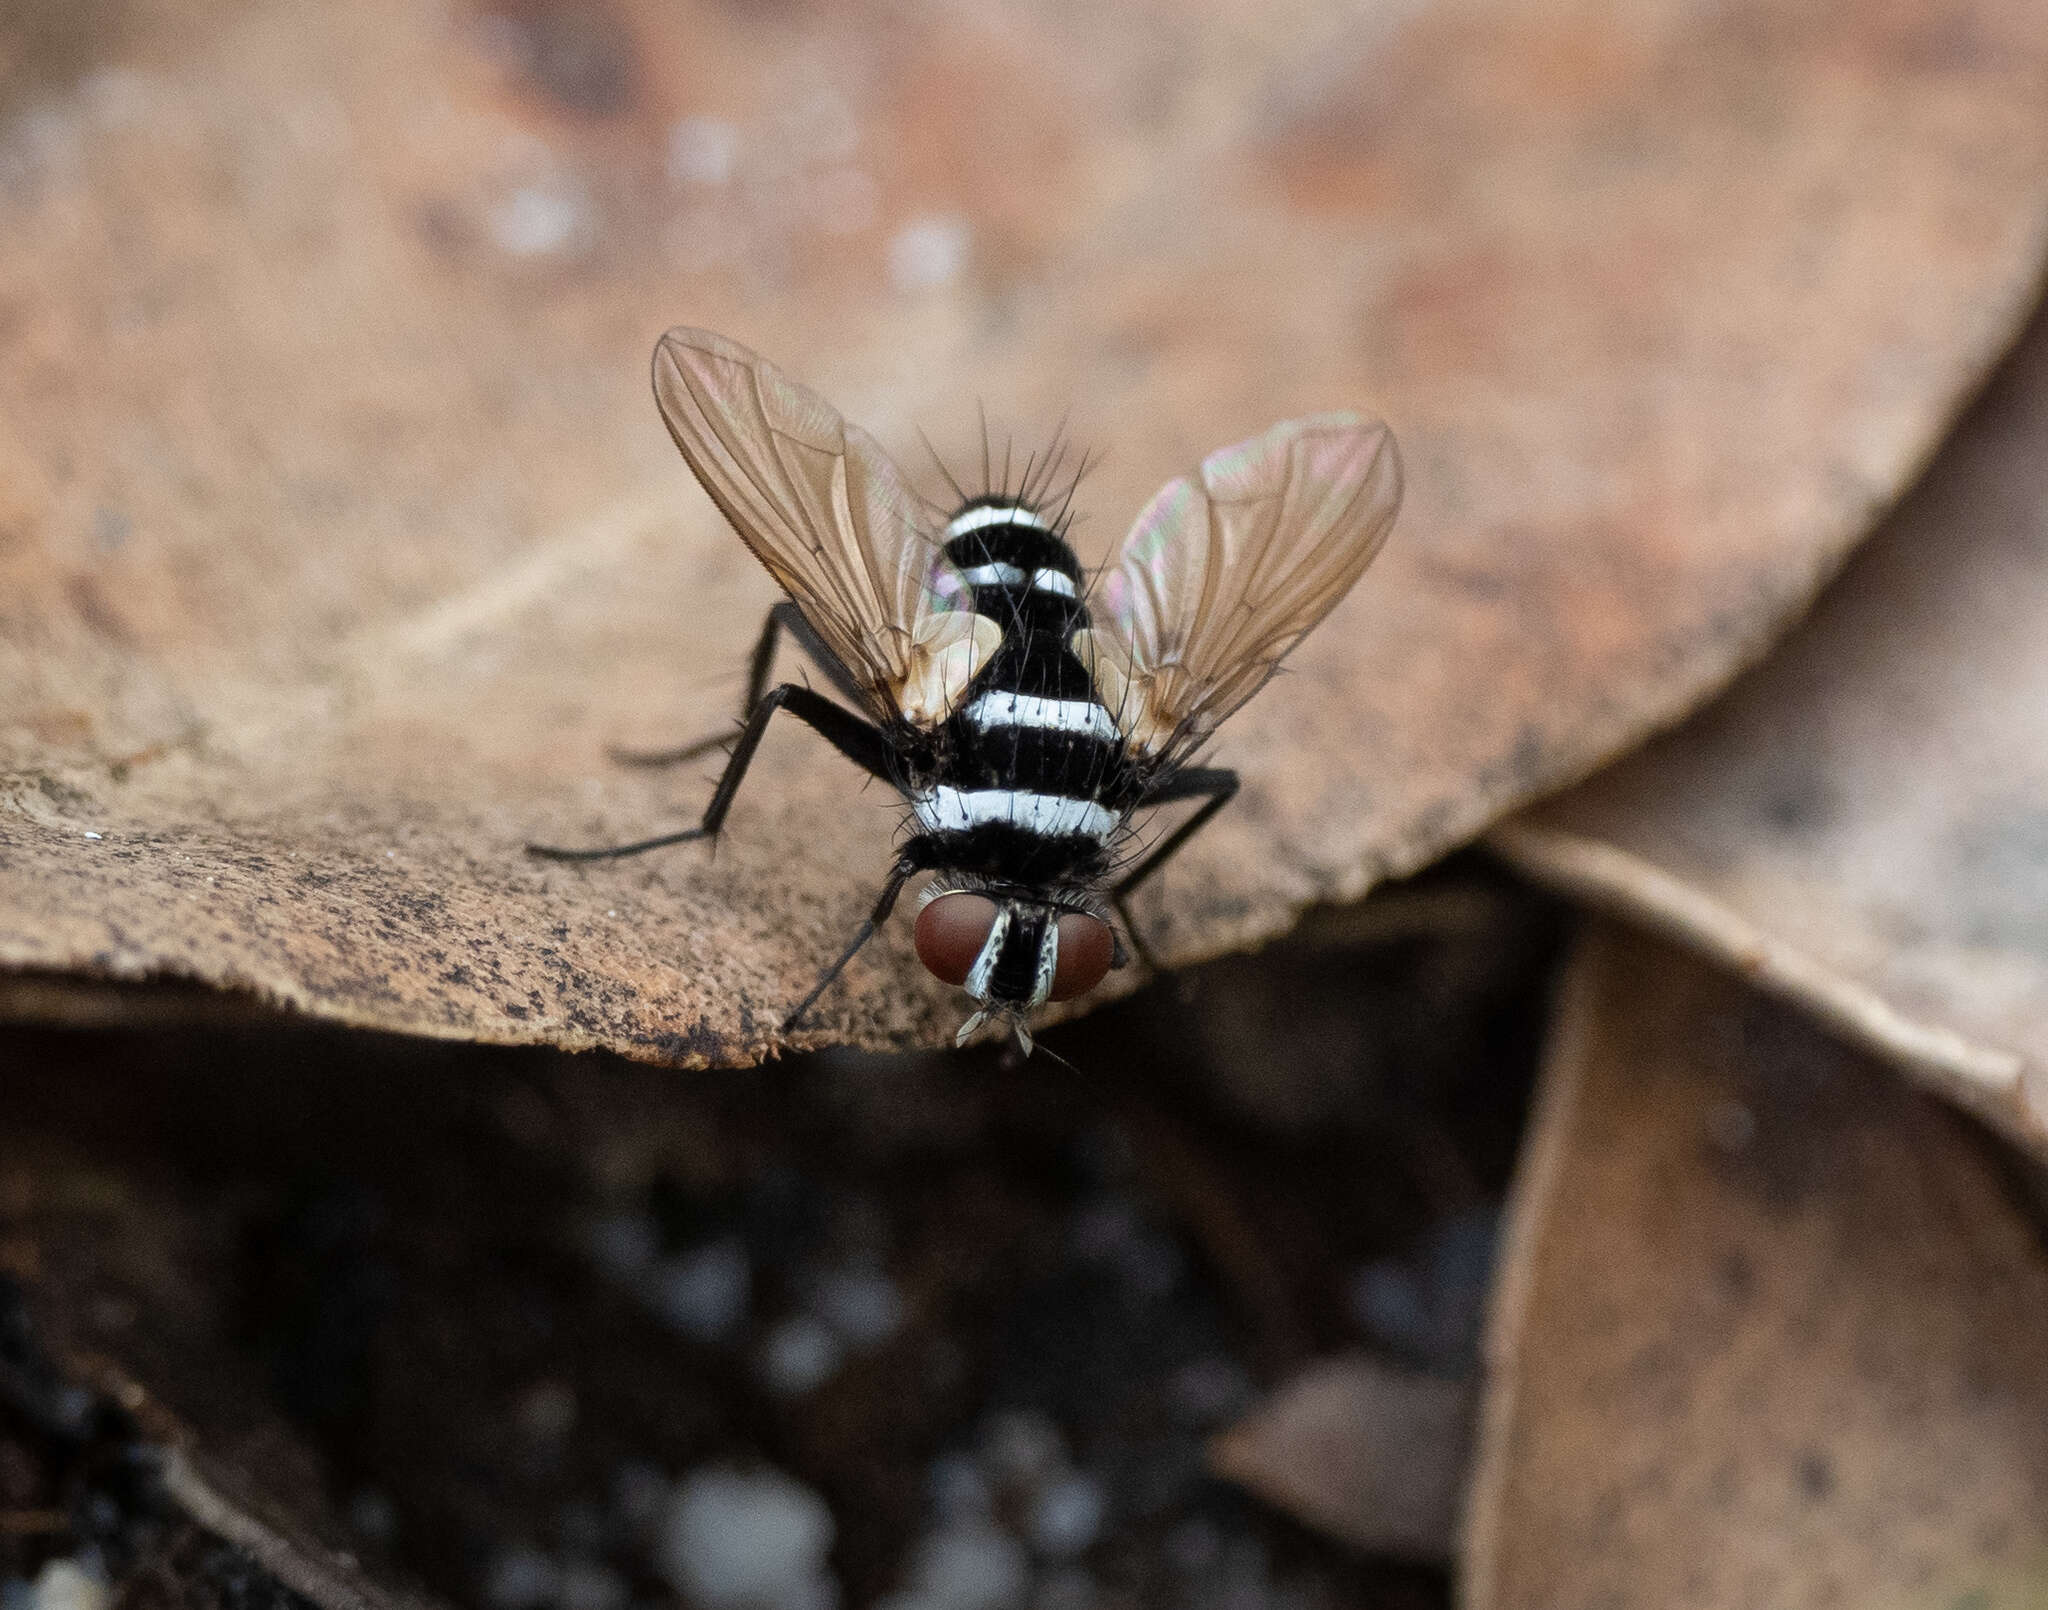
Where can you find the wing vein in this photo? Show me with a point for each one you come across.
(1229, 567)
(831, 518)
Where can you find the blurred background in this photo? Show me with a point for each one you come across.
(387, 1220)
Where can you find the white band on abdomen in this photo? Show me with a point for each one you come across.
(988, 515)
(1055, 715)
(992, 576)
(997, 574)
(948, 809)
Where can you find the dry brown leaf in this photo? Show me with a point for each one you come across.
(1371, 1454)
(338, 535)
(1863, 823)
(1768, 1325)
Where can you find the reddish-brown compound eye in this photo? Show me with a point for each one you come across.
(951, 931)
(1086, 946)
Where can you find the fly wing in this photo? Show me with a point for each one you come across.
(1228, 569)
(831, 517)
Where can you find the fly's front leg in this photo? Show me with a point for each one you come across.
(861, 742)
(1216, 787)
(784, 617)
(900, 874)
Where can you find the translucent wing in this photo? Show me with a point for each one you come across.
(830, 516)
(1228, 568)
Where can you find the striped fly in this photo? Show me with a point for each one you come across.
(1025, 715)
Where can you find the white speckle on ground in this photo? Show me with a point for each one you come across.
(703, 1293)
(540, 221)
(587, 1585)
(373, 1515)
(1112, 1232)
(800, 1355)
(1066, 1517)
(623, 1245)
(970, 1566)
(1070, 1589)
(640, 1494)
(1430, 1304)
(73, 1407)
(67, 1585)
(814, 1593)
(547, 1411)
(862, 1305)
(958, 1488)
(521, 1578)
(929, 253)
(703, 150)
(1210, 1391)
(736, 1540)
(1387, 1303)
(1022, 1448)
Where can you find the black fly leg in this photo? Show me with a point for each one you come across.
(859, 741)
(1216, 786)
(784, 617)
(900, 874)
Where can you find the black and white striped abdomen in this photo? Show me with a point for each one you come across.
(1038, 767)
(1009, 554)
(948, 808)
(1032, 718)
(1032, 758)
(999, 709)
(1040, 745)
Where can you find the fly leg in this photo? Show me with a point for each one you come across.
(784, 617)
(860, 741)
(900, 874)
(1215, 786)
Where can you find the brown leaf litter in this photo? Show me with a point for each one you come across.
(1768, 1325)
(1862, 824)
